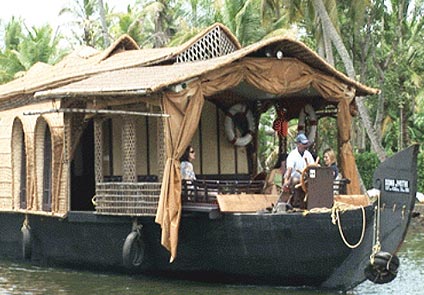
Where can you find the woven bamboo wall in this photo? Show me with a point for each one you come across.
(6, 198)
(13, 123)
(54, 122)
(39, 161)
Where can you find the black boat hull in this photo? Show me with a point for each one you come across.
(289, 249)
(286, 249)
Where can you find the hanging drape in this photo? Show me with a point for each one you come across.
(184, 109)
(274, 76)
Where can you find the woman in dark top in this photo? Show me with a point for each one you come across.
(330, 161)
(187, 171)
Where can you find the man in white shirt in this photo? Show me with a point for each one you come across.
(296, 161)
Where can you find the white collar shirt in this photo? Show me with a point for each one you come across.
(298, 162)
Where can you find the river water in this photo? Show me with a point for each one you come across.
(25, 279)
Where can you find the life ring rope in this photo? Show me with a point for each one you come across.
(230, 128)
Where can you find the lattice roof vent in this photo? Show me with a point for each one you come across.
(214, 44)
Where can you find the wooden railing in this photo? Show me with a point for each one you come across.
(205, 191)
(141, 198)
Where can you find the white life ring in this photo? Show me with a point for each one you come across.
(308, 109)
(229, 125)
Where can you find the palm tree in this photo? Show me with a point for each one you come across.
(24, 50)
(337, 41)
(130, 23)
(84, 13)
(105, 31)
(244, 20)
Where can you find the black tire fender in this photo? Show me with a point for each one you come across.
(26, 242)
(384, 269)
(133, 250)
(387, 261)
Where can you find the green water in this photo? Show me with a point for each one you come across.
(19, 278)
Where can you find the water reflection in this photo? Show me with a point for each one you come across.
(31, 280)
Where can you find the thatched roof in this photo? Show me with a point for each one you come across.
(86, 62)
(143, 80)
(88, 71)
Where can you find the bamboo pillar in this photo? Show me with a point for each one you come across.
(129, 149)
(98, 150)
(161, 147)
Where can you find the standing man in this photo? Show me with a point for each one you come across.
(297, 160)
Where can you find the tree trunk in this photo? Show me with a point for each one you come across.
(347, 61)
(328, 48)
(380, 108)
(105, 33)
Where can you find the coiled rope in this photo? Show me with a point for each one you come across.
(336, 219)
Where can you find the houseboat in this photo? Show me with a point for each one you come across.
(90, 171)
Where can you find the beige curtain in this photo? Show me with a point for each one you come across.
(279, 77)
(184, 109)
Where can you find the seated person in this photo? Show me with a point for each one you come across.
(187, 171)
(274, 181)
(330, 161)
(297, 160)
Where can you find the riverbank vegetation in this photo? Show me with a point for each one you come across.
(378, 43)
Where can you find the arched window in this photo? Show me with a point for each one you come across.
(43, 164)
(47, 171)
(23, 172)
(19, 159)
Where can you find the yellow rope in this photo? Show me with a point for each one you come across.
(376, 235)
(337, 219)
(25, 223)
(94, 200)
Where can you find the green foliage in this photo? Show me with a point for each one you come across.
(9, 66)
(25, 47)
(367, 162)
(13, 34)
(326, 134)
(420, 166)
(243, 19)
(85, 26)
(129, 23)
(38, 45)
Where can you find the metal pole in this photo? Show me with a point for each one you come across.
(92, 111)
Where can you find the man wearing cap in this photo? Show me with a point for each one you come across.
(296, 161)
